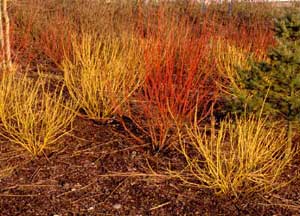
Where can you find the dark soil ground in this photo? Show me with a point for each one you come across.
(102, 172)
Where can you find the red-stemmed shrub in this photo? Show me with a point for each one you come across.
(23, 32)
(55, 38)
(179, 79)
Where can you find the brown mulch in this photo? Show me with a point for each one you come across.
(100, 172)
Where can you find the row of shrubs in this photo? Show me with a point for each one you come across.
(169, 74)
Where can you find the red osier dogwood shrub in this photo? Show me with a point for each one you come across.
(180, 78)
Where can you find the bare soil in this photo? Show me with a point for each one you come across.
(98, 171)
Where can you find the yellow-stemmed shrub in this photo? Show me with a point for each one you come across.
(240, 156)
(102, 73)
(229, 59)
(31, 115)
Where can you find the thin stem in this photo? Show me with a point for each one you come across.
(7, 38)
(1, 36)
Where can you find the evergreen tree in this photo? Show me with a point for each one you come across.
(275, 85)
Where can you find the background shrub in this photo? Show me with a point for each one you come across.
(102, 73)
